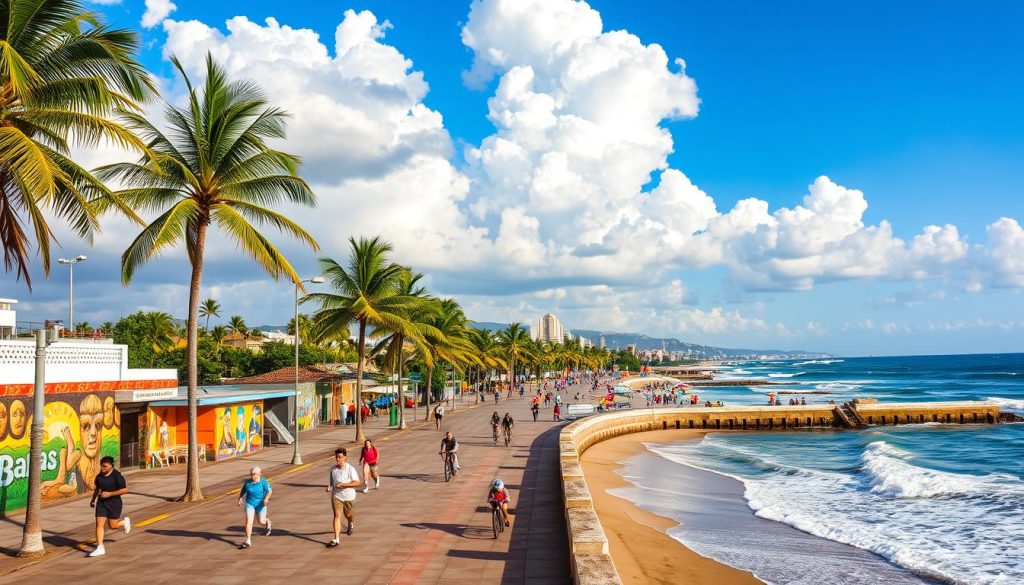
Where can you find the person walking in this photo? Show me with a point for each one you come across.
(255, 493)
(343, 414)
(344, 480)
(535, 409)
(369, 458)
(557, 412)
(106, 499)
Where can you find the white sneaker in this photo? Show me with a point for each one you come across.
(270, 525)
(127, 526)
(366, 490)
(376, 484)
(99, 552)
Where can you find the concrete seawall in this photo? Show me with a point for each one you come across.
(591, 563)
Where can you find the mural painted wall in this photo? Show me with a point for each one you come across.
(161, 426)
(239, 429)
(79, 429)
(307, 408)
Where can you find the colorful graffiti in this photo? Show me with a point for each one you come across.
(307, 409)
(161, 423)
(239, 429)
(78, 430)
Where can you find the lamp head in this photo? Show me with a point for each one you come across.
(317, 279)
(63, 261)
(80, 257)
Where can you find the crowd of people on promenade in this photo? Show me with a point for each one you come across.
(345, 479)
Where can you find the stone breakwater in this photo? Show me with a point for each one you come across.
(591, 563)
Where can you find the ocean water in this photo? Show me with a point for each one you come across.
(944, 503)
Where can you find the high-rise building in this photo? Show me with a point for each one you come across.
(549, 328)
(601, 341)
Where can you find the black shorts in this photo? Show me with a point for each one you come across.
(109, 508)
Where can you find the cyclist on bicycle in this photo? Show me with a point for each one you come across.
(506, 424)
(498, 496)
(450, 445)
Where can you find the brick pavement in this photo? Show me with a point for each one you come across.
(415, 529)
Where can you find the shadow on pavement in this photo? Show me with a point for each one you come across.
(539, 530)
(208, 536)
(460, 530)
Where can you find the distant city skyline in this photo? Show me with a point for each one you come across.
(820, 176)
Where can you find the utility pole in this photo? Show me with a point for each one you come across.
(32, 534)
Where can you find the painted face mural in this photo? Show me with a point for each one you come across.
(90, 417)
(108, 412)
(18, 418)
(3, 420)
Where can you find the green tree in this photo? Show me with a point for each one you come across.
(217, 334)
(237, 325)
(209, 308)
(366, 291)
(514, 342)
(62, 73)
(213, 168)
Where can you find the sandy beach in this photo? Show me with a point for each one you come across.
(639, 546)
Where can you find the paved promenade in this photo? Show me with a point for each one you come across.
(415, 529)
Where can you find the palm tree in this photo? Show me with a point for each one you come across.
(213, 168)
(62, 73)
(158, 332)
(487, 351)
(236, 324)
(450, 344)
(107, 328)
(305, 324)
(393, 345)
(218, 333)
(367, 291)
(514, 342)
(209, 308)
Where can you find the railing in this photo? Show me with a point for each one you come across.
(26, 329)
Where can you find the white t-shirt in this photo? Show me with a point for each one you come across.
(344, 475)
(439, 410)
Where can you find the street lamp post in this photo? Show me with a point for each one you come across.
(296, 456)
(71, 287)
(32, 532)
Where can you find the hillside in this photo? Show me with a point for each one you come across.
(615, 340)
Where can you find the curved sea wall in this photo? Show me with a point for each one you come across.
(588, 545)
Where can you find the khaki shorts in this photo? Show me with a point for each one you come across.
(343, 506)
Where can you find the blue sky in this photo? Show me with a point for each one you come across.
(914, 104)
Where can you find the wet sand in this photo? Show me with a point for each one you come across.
(640, 547)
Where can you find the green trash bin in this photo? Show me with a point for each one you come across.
(393, 416)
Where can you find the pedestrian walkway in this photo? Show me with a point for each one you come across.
(415, 529)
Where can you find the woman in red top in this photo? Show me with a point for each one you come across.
(369, 457)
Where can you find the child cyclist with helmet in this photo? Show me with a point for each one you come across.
(498, 496)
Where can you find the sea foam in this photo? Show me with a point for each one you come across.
(949, 527)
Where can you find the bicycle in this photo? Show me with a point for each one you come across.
(497, 520)
(494, 434)
(449, 465)
(508, 435)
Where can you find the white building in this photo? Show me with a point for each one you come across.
(7, 315)
(549, 329)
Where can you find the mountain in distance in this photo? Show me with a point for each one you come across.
(615, 340)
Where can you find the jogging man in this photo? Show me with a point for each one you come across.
(344, 480)
(438, 415)
(498, 496)
(450, 445)
(110, 486)
(255, 493)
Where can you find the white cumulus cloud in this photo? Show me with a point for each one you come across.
(156, 12)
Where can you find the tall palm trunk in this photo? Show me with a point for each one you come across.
(401, 395)
(430, 389)
(359, 382)
(193, 492)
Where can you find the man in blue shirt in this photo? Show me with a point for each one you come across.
(255, 493)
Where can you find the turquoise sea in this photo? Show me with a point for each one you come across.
(937, 503)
